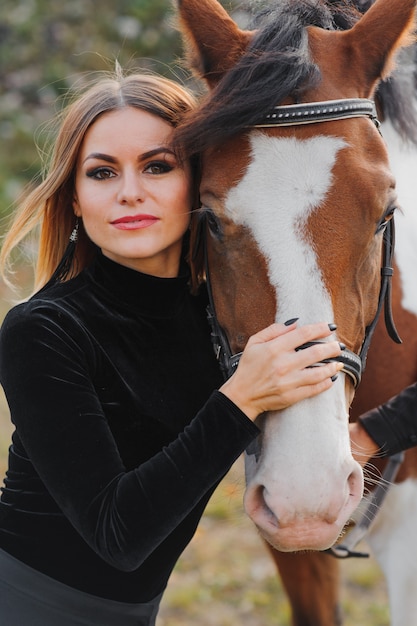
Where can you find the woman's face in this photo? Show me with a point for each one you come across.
(132, 194)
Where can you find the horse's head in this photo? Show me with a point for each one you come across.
(296, 217)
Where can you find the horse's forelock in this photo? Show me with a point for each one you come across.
(276, 64)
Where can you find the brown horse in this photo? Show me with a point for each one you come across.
(297, 214)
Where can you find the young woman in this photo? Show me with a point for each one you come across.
(123, 427)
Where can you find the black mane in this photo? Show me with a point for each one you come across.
(277, 64)
(397, 96)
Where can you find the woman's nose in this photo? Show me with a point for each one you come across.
(131, 189)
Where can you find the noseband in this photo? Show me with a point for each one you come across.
(296, 114)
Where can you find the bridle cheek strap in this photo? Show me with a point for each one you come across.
(354, 364)
(228, 362)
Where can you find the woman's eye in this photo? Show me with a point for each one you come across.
(100, 173)
(159, 167)
(384, 221)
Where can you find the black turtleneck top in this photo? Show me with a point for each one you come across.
(119, 437)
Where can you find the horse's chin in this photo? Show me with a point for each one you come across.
(302, 537)
(314, 537)
(292, 527)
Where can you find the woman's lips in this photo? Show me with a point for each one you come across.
(134, 222)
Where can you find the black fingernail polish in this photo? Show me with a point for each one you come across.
(291, 321)
(332, 326)
(342, 346)
(334, 377)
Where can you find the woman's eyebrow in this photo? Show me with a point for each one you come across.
(160, 150)
(146, 155)
(101, 157)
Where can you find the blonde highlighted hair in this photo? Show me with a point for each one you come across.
(50, 204)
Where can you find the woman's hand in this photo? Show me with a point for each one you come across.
(272, 375)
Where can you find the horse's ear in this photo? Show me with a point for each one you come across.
(212, 40)
(375, 40)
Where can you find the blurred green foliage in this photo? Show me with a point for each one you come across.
(48, 46)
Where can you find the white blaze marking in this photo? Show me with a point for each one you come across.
(285, 181)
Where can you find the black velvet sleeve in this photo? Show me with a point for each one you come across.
(47, 369)
(393, 425)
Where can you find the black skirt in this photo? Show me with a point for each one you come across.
(29, 598)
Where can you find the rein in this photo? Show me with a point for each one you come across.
(353, 364)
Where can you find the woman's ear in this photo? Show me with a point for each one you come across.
(76, 207)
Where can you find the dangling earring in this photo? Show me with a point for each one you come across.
(74, 235)
(66, 263)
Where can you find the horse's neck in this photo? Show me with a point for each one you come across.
(403, 159)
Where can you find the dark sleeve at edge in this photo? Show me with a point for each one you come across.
(393, 425)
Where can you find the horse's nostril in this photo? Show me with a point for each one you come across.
(355, 482)
(272, 517)
(257, 507)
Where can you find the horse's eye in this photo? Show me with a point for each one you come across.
(213, 224)
(386, 218)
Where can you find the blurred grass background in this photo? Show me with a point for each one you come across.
(225, 576)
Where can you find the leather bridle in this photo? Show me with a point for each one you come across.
(296, 114)
(353, 364)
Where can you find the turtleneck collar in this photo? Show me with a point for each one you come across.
(147, 295)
